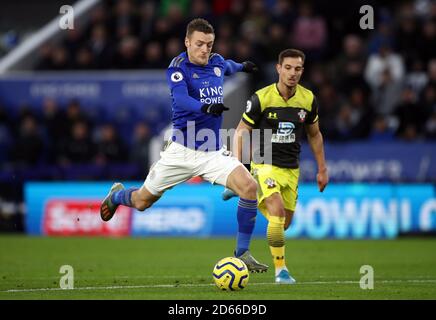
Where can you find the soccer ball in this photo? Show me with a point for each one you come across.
(230, 274)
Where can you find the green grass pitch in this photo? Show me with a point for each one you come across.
(177, 269)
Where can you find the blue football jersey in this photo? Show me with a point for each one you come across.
(191, 87)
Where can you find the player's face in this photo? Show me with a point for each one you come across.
(290, 71)
(199, 45)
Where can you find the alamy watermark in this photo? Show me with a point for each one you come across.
(66, 21)
(67, 280)
(367, 20)
(367, 279)
(206, 139)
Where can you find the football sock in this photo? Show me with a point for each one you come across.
(123, 197)
(276, 240)
(247, 210)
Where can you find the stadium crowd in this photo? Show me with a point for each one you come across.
(374, 85)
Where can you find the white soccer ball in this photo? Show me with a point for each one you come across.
(230, 274)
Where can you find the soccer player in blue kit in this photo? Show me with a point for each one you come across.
(196, 79)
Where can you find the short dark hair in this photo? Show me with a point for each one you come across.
(291, 53)
(200, 25)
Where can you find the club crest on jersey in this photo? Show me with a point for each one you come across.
(176, 76)
(302, 115)
(270, 183)
(217, 71)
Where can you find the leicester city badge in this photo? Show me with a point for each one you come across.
(217, 71)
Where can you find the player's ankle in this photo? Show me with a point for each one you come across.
(279, 269)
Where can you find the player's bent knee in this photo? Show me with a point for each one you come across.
(249, 190)
(278, 212)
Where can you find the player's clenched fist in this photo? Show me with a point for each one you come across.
(249, 67)
(214, 108)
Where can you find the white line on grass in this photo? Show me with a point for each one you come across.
(207, 285)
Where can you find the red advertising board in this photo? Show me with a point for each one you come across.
(69, 217)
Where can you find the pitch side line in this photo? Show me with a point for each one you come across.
(208, 285)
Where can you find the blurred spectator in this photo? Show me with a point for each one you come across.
(309, 32)
(220, 7)
(44, 57)
(101, 47)
(428, 100)
(74, 114)
(153, 56)
(416, 78)
(128, 56)
(28, 146)
(354, 119)
(383, 36)
(410, 115)
(283, 13)
(426, 50)
(161, 31)
(5, 136)
(347, 69)
(78, 148)
(177, 21)
(200, 9)
(84, 59)
(139, 151)
(173, 48)
(407, 35)
(432, 72)
(72, 41)
(110, 148)
(126, 17)
(386, 95)
(148, 18)
(99, 16)
(223, 47)
(256, 21)
(225, 31)
(8, 41)
(381, 131)
(166, 6)
(56, 126)
(60, 59)
(430, 126)
(383, 62)
(237, 12)
(330, 103)
(276, 42)
(362, 113)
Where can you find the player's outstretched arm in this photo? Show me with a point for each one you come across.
(314, 136)
(233, 67)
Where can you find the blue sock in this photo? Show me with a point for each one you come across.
(123, 197)
(247, 210)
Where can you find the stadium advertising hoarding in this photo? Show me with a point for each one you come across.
(109, 89)
(374, 162)
(350, 211)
